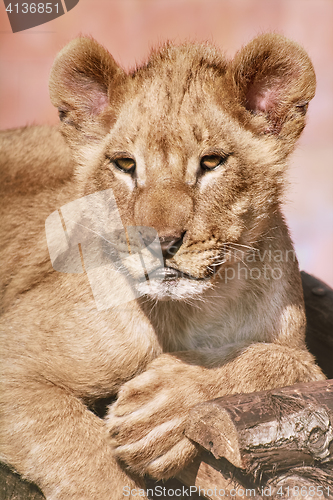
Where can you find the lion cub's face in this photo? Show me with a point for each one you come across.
(192, 147)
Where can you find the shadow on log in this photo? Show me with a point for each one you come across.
(12, 487)
(318, 299)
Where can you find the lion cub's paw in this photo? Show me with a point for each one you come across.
(147, 421)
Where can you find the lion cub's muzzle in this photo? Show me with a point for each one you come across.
(169, 246)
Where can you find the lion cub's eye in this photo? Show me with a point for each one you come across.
(126, 165)
(210, 162)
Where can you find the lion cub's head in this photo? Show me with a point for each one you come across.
(191, 145)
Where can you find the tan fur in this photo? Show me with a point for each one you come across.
(183, 341)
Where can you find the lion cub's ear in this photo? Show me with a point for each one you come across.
(85, 84)
(273, 77)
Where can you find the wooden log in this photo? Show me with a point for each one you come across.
(302, 483)
(217, 478)
(268, 430)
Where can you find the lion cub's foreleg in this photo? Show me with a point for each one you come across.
(52, 439)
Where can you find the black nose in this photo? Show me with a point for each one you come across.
(170, 245)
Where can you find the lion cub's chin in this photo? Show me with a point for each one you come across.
(178, 289)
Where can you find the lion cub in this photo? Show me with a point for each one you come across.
(174, 279)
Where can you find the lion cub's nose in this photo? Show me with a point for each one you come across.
(170, 245)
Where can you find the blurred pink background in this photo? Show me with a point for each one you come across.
(129, 28)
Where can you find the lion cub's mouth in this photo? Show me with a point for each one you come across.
(168, 283)
(169, 274)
